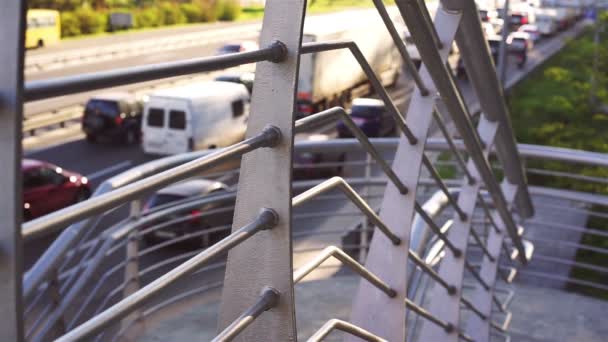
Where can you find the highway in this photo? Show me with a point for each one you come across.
(66, 147)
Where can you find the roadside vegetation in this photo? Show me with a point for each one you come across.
(82, 17)
(558, 105)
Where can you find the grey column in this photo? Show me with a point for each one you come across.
(373, 310)
(443, 305)
(12, 26)
(265, 181)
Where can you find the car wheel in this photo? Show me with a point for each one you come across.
(131, 137)
(82, 195)
(40, 43)
(91, 138)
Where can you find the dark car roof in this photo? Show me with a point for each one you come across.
(115, 96)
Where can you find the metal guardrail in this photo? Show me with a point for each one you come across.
(264, 260)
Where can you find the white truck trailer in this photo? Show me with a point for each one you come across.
(334, 78)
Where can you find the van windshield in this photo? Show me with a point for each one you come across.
(104, 107)
(368, 112)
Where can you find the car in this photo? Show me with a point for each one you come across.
(370, 116)
(47, 188)
(519, 43)
(245, 79)
(486, 15)
(193, 220)
(532, 31)
(310, 165)
(493, 44)
(112, 115)
(235, 47)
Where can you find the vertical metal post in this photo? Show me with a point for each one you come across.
(443, 305)
(502, 51)
(372, 310)
(131, 274)
(265, 181)
(12, 28)
(365, 226)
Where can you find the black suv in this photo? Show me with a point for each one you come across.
(115, 115)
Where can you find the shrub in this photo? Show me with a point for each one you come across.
(70, 26)
(192, 12)
(90, 21)
(208, 10)
(148, 17)
(228, 10)
(171, 14)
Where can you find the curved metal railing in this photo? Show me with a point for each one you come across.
(64, 300)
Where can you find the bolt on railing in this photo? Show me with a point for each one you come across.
(448, 327)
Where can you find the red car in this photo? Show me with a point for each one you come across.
(47, 188)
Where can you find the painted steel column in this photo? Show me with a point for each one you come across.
(442, 305)
(481, 71)
(372, 309)
(265, 181)
(12, 28)
(131, 274)
(482, 299)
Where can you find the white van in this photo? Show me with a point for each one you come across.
(193, 117)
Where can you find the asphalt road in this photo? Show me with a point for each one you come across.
(101, 161)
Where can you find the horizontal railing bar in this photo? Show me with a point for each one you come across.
(576, 281)
(267, 219)
(504, 326)
(482, 245)
(269, 137)
(268, 299)
(553, 225)
(435, 175)
(339, 183)
(448, 138)
(584, 178)
(38, 90)
(336, 324)
(333, 251)
(338, 112)
(429, 221)
(367, 69)
(571, 263)
(448, 327)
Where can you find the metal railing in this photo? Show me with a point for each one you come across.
(260, 258)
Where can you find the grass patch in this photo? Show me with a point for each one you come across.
(554, 106)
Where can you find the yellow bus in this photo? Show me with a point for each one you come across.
(43, 28)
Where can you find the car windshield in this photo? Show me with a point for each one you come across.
(161, 199)
(104, 107)
(367, 112)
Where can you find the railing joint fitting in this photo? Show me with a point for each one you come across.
(269, 217)
(449, 328)
(452, 290)
(279, 52)
(273, 135)
(457, 253)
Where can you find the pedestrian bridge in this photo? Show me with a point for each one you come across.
(418, 237)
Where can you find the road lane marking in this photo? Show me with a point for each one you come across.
(110, 169)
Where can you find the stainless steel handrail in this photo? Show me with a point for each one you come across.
(267, 219)
(267, 300)
(333, 251)
(338, 112)
(341, 184)
(336, 324)
(269, 137)
(448, 327)
(38, 90)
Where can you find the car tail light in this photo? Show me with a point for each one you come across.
(195, 216)
(305, 108)
(118, 120)
(524, 20)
